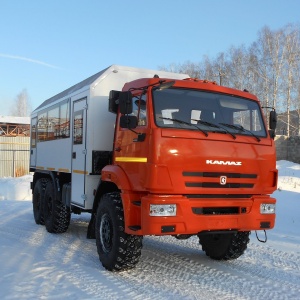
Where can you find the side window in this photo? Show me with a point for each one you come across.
(42, 126)
(140, 109)
(64, 121)
(78, 128)
(33, 133)
(53, 121)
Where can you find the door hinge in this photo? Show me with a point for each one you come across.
(84, 197)
(85, 107)
(84, 151)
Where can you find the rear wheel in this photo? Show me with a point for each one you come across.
(117, 250)
(224, 246)
(38, 200)
(57, 216)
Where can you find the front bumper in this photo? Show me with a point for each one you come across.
(194, 215)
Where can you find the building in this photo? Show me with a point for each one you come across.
(14, 126)
(14, 146)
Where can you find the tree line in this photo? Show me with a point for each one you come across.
(268, 68)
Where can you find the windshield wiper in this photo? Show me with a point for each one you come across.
(241, 128)
(215, 126)
(186, 123)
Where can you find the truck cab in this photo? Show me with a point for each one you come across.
(200, 159)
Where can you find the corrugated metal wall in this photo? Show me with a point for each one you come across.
(14, 156)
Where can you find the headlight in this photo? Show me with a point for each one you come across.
(162, 210)
(266, 208)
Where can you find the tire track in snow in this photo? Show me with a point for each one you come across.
(60, 251)
(168, 268)
(258, 279)
(188, 277)
(69, 256)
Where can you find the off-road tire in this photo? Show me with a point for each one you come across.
(57, 216)
(117, 250)
(38, 200)
(225, 246)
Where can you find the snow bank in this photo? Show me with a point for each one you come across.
(15, 188)
(289, 175)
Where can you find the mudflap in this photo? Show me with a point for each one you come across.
(91, 234)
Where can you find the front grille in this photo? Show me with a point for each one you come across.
(204, 183)
(218, 185)
(216, 210)
(218, 175)
(217, 196)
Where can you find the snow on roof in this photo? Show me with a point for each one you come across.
(14, 120)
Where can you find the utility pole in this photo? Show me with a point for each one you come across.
(220, 75)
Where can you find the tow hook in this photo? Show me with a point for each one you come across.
(260, 240)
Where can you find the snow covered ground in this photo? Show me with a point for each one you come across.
(35, 264)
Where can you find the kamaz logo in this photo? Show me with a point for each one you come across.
(224, 163)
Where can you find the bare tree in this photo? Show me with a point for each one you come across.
(194, 70)
(239, 72)
(268, 54)
(21, 106)
(220, 68)
(290, 77)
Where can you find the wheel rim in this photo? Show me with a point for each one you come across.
(106, 233)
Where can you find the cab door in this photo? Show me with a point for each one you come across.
(132, 146)
(79, 173)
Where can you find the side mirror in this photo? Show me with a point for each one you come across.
(125, 103)
(273, 120)
(272, 133)
(113, 101)
(129, 122)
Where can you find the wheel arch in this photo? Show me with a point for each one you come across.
(104, 187)
(58, 179)
(40, 174)
(113, 179)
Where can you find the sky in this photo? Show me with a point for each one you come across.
(48, 46)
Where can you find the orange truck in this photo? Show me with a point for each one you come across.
(154, 153)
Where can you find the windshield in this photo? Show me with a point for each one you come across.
(208, 112)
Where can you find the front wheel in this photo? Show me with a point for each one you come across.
(117, 250)
(224, 246)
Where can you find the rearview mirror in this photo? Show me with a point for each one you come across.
(113, 101)
(129, 122)
(125, 103)
(273, 120)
